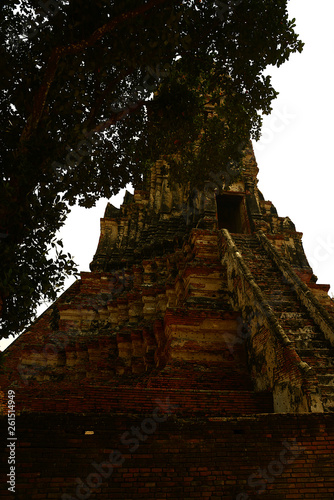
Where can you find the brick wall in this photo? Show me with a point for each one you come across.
(124, 399)
(171, 458)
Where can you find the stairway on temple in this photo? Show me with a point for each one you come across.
(308, 340)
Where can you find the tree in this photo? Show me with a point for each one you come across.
(92, 92)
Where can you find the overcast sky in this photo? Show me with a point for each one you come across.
(294, 155)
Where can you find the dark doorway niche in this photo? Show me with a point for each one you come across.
(231, 213)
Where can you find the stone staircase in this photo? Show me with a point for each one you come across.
(308, 340)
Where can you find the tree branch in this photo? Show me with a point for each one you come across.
(99, 100)
(59, 52)
(116, 118)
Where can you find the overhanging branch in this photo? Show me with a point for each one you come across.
(76, 48)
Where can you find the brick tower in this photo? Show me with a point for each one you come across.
(195, 360)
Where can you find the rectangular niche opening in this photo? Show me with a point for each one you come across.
(231, 213)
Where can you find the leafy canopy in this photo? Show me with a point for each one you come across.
(93, 91)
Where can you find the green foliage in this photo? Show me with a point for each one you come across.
(79, 122)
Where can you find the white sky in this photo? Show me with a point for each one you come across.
(294, 156)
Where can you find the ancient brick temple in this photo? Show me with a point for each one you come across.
(195, 360)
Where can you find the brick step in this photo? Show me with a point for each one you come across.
(317, 353)
(120, 400)
(271, 291)
(306, 343)
(284, 300)
(273, 275)
(255, 259)
(320, 365)
(276, 289)
(312, 333)
(250, 244)
(266, 266)
(312, 358)
(301, 335)
(282, 306)
(308, 332)
(327, 379)
(260, 266)
(274, 297)
(309, 344)
(324, 370)
(274, 283)
(327, 390)
(244, 237)
(275, 286)
(299, 316)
